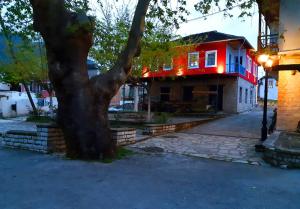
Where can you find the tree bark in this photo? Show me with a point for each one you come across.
(136, 99)
(34, 110)
(83, 103)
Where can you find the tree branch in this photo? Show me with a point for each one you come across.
(111, 81)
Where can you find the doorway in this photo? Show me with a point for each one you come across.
(187, 95)
(216, 97)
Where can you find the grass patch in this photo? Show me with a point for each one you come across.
(121, 153)
(39, 119)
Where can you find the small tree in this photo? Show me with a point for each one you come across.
(24, 61)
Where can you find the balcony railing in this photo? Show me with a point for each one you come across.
(268, 43)
(235, 68)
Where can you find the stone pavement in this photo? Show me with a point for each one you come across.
(229, 139)
(225, 148)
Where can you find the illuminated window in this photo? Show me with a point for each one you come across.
(211, 58)
(193, 60)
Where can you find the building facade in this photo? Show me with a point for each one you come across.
(219, 73)
(272, 89)
(279, 37)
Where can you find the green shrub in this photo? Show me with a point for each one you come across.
(39, 119)
(162, 117)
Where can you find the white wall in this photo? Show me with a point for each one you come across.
(4, 87)
(289, 25)
(272, 91)
(243, 105)
(9, 98)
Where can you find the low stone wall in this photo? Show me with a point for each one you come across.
(47, 139)
(24, 140)
(124, 136)
(277, 155)
(133, 117)
(191, 124)
(160, 129)
(50, 139)
(54, 136)
(282, 158)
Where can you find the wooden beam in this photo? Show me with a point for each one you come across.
(286, 67)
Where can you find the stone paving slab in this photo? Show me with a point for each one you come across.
(232, 149)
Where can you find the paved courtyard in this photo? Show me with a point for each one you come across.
(230, 139)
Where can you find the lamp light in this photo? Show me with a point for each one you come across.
(220, 69)
(269, 63)
(263, 58)
(179, 72)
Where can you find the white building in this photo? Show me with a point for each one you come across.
(13, 104)
(272, 89)
(4, 87)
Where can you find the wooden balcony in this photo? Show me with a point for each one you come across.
(268, 43)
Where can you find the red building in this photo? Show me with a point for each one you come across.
(219, 73)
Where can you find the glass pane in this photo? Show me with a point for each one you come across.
(211, 59)
(193, 60)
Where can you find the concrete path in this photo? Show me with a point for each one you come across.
(229, 139)
(143, 181)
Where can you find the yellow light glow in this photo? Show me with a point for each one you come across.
(146, 75)
(220, 69)
(263, 58)
(269, 63)
(179, 72)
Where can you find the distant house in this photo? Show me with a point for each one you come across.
(220, 73)
(272, 88)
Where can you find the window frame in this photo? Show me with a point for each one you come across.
(169, 68)
(241, 95)
(249, 64)
(198, 57)
(216, 58)
(246, 95)
(270, 83)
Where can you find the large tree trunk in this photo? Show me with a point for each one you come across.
(83, 103)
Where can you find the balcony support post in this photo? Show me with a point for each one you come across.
(259, 28)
